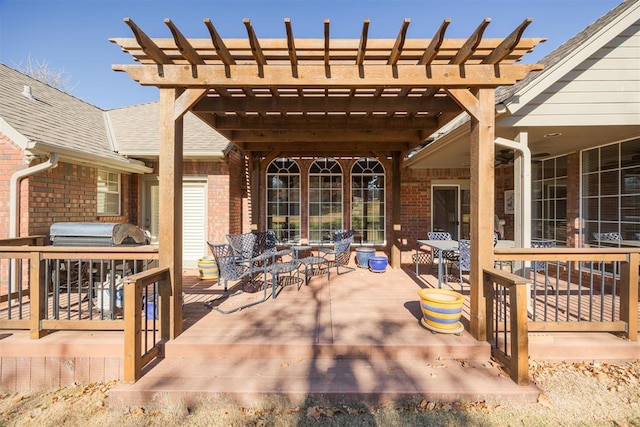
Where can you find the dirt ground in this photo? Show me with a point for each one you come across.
(574, 394)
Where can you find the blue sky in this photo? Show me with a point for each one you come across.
(73, 35)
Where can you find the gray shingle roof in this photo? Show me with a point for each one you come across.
(135, 131)
(53, 117)
(56, 120)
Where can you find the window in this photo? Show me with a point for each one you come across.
(611, 190)
(367, 201)
(549, 200)
(325, 200)
(283, 200)
(108, 193)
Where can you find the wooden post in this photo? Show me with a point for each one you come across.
(519, 334)
(170, 224)
(132, 332)
(481, 108)
(37, 293)
(629, 295)
(396, 253)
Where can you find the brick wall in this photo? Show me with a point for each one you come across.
(12, 161)
(68, 193)
(220, 193)
(238, 207)
(504, 181)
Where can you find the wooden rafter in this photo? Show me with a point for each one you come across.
(147, 45)
(399, 44)
(185, 48)
(221, 49)
(362, 47)
(291, 46)
(507, 46)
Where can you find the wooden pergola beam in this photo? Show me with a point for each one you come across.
(324, 105)
(313, 76)
(323, 123)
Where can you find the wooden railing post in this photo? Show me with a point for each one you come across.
(37, 295)
(629, 295)
(519, 334)
(132, 332)
(164, 313)
(487, 284)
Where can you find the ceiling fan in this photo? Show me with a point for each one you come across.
(504, 157)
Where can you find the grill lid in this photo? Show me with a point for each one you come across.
(97, 232)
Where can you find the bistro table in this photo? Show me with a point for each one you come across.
(451, 246)
(441, 246)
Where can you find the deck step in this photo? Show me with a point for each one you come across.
(258, 381)
(462, 347)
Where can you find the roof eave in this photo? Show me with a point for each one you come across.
(123, 164)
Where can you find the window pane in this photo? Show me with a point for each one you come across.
(367, 200)
(283, 200)
(325, 199)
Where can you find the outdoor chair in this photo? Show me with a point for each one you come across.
(607, 237)
(463, 263)
(340, 254)
(233, 265)
(542, 266)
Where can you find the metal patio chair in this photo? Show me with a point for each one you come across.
(340, 254)
(233, 266)
(542, 266)
(463, 263)
(448, 256)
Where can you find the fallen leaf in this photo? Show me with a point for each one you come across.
(544, 401)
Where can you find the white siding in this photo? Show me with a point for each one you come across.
(602, 90)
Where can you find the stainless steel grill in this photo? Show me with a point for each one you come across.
(96, 234)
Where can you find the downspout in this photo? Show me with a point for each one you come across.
(14, 196)
(522, 231)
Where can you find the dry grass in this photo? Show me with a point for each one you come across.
(575, 394)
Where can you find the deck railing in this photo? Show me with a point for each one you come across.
(506, 299)
(145, 329)
(579, 290)
(46, 288)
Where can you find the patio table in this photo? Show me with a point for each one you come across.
(441, 246)
(451, 246)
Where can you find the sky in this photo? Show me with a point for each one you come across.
(72, 36)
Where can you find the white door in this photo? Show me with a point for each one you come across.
(194, 226)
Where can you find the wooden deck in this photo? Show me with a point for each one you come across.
(355, 336)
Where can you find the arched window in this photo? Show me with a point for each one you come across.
(325, 199)
(283, 200)
(367, 201)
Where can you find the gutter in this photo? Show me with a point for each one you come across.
(14, 198)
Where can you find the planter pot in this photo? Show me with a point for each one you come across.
(441, 310)
(363, 255)
(207, 268)
(378, 264)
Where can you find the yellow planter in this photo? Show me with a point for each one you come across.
(441, 310)
(207, 268)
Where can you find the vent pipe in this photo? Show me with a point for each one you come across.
(26, 92)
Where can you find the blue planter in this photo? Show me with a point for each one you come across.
(378, 264)
(363, 255)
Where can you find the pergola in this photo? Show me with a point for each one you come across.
(328, 97)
